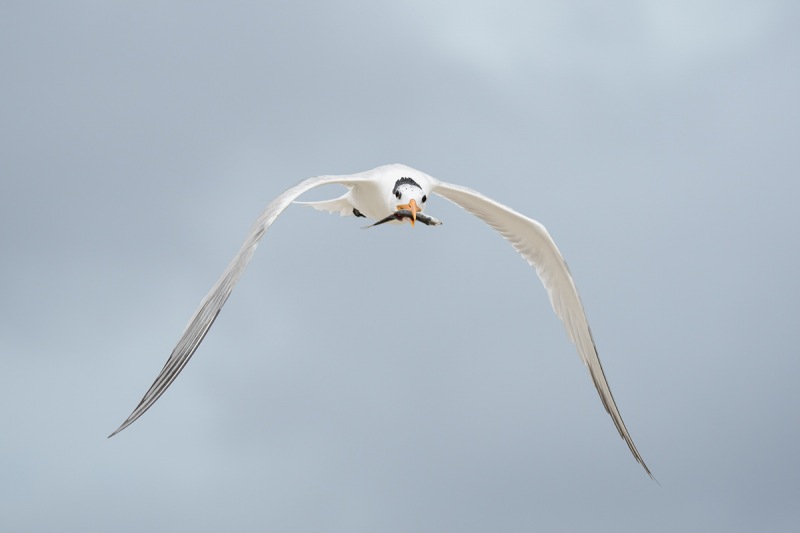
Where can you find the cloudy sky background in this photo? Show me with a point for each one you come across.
(658, 142)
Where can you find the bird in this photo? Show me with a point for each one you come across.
(394, 194)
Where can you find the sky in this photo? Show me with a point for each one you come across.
(657, 141)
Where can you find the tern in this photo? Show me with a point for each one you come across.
(395, 194)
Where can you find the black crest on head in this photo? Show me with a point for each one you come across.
(404, 181)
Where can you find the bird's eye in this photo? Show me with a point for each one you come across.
(424, 198)
(397, 193)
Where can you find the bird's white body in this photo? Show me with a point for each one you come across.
(384, 194)
(372, 194)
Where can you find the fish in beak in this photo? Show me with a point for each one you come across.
(411, 206)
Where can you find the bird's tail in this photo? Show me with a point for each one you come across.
(339, 205)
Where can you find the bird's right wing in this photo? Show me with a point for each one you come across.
(211, 305)
(534, 243)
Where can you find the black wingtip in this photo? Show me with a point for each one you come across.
(123, 426)
(131, 419)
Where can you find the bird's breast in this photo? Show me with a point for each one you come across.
(371, 201)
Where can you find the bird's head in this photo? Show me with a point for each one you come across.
(408, 195)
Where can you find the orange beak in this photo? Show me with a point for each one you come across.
(411, 206)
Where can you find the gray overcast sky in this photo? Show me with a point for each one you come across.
(658, 142)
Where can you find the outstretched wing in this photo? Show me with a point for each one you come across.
(534, 243)
(212, 304)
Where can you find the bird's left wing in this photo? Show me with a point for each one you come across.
(211, 305)
(534, 243)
